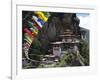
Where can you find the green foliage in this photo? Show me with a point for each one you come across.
(35, 52)
(36, 48)
(36, 44)
(41, 66)
(66, 60)
(46, 14)
(84, 51)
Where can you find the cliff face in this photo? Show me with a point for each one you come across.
(56, 25)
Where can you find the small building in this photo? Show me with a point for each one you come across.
(57, 48)
(71, 47)
(69, 43)
(68, 36)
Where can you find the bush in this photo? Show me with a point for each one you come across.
(84, 51)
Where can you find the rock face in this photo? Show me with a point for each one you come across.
(57, 24)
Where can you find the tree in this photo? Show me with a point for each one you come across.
(84, 51)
